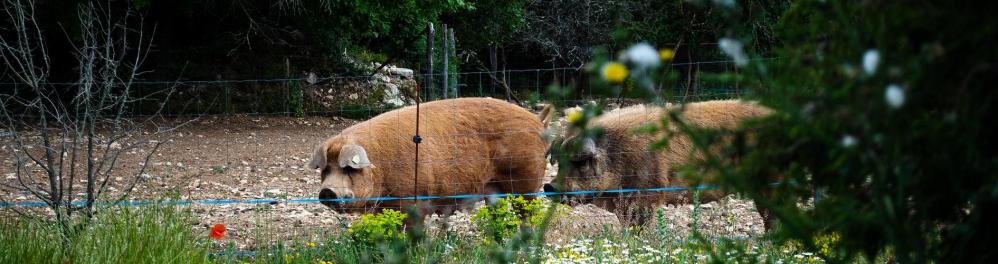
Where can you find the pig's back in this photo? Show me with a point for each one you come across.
(466, 142)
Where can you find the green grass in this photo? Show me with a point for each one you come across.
(127, 235)
(152, 234)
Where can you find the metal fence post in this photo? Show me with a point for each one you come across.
(445, 53)
(429, 59)
(287, 88)
(453, 52)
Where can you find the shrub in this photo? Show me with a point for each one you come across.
(505, 218)
(881, 107)
(296, 99)
(372, 229)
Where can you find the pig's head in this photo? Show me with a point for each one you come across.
(588, 169)
(346, 174)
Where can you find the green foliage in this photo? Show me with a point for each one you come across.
(898, 149)
(904, 168)
(505, 218)
(490, 23)
(372, 229)
(127, 235)
(296, 99)
(692, 23)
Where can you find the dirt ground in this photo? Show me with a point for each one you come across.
(246, 157)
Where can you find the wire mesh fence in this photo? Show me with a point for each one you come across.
(250, 172)
(364, 95)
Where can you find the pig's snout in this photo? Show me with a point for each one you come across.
(549, 188)
(327, 197)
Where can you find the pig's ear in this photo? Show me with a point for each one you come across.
(319, 158)
(354, 156)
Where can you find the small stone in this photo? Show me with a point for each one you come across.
(273, 193)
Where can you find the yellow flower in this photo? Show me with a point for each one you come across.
(311, 244)
(614, 72)
(666, 54)
(574, 117)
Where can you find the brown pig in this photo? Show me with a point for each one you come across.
(622, 158)
(469, 146)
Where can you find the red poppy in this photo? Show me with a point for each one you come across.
(217, 231)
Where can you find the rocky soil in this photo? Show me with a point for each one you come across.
(246, 158)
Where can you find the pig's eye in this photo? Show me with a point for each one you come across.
(350, 171)
(324, 172)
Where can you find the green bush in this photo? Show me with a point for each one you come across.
(296, 99)
(505, 218)
(882, 107)
(372, 229)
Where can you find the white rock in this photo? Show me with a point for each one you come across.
(273, 193)
(407, 73)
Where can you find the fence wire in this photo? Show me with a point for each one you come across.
(307, 95)
(271, 97)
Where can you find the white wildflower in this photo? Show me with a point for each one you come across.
(642, 55)
(733, 48)
(848, 141)
(871, 59)
(894, 96)
(725, 3)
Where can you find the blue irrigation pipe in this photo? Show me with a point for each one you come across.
(387, 198)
